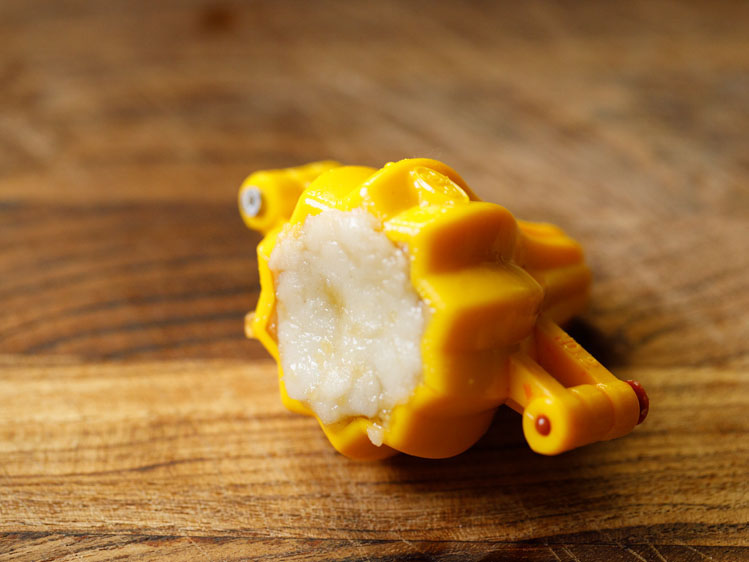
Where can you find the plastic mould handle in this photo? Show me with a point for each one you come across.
(567, 398)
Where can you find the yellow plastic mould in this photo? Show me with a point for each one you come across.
(498, 290)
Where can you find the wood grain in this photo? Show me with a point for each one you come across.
(155, 452)
(135, 419)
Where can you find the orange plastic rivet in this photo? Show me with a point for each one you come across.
(642, 398)
(543, 425)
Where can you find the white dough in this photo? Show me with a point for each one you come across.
(349, 321)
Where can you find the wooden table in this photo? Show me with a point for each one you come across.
(136, 420)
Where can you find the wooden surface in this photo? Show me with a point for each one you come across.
(136, 420)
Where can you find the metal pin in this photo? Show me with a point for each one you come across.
(252, 201)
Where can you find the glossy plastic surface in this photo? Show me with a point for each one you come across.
(498, 290)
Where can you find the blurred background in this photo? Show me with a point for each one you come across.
(127, 127)
(135, 418)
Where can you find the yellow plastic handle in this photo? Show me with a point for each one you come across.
(267, 198)
(566, 396)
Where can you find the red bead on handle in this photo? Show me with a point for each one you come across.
(642, 398)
